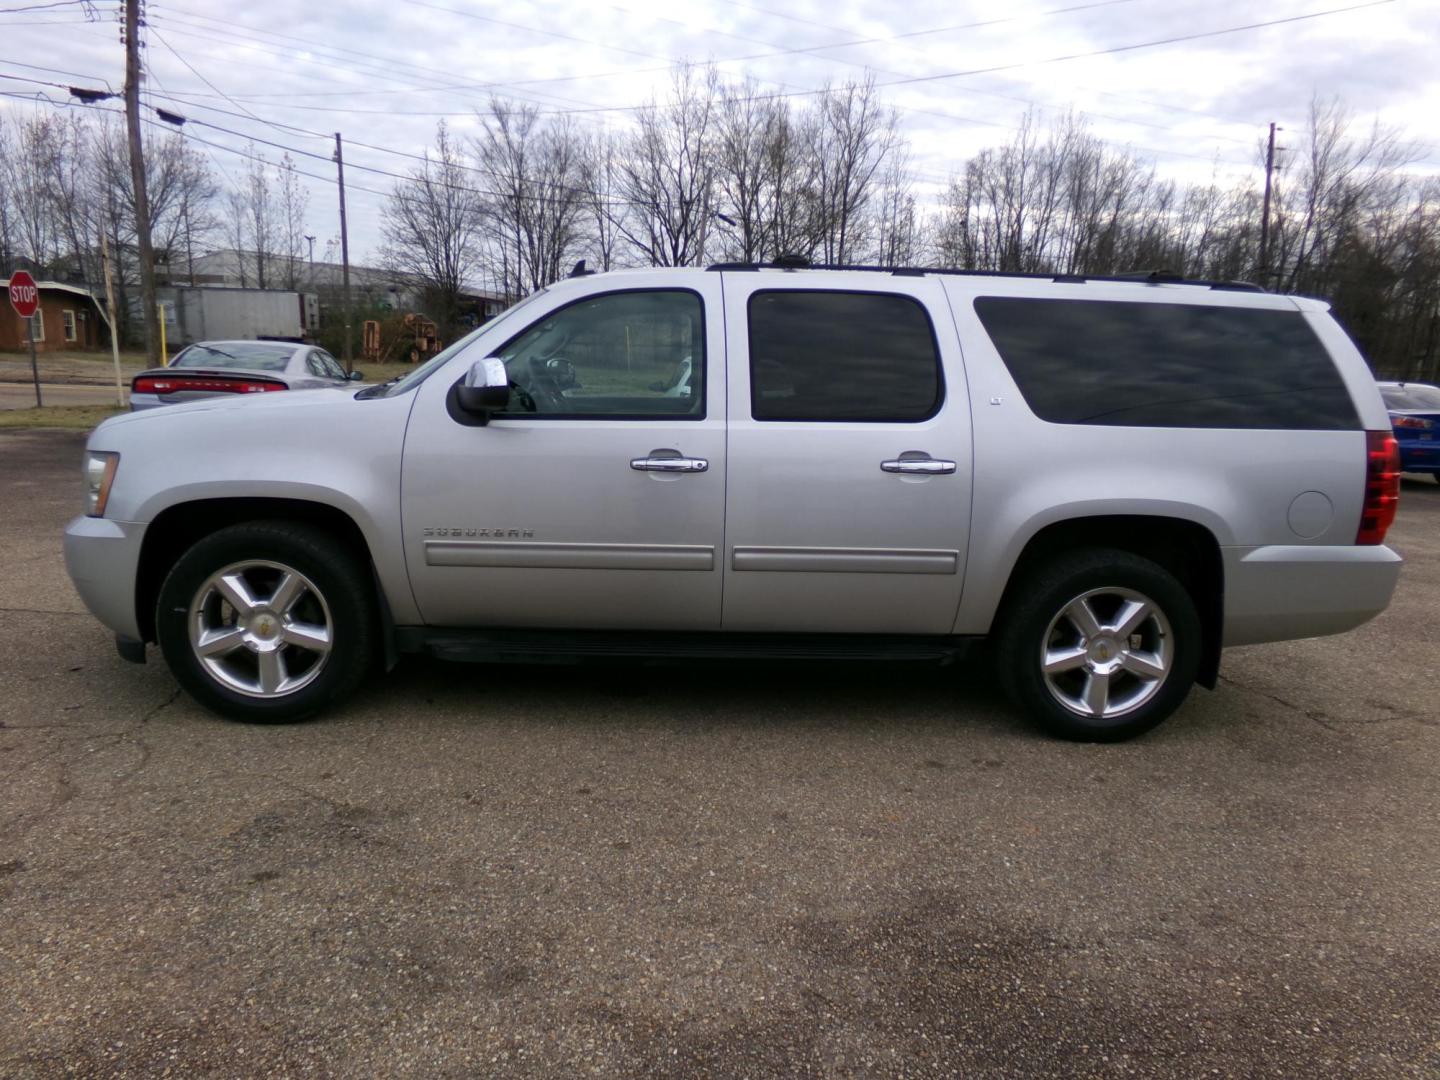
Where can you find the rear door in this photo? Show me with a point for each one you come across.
(848, 499)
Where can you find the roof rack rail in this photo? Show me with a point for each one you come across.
(1144, 277)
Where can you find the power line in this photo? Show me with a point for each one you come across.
(207, 82)
(44, 7)
(915, 79)
(895, 82)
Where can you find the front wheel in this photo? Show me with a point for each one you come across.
(1100, 645)
(267, 621)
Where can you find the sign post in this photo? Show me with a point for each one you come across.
(25, 299)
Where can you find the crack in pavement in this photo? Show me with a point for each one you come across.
(1310, 714)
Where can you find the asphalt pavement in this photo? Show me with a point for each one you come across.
(711, 871)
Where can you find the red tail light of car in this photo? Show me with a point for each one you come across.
(1382, 487)
(210, 384)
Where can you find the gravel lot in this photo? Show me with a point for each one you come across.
(711, 871)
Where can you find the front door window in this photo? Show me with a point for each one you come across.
(628, 355)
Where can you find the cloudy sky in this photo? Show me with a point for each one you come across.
(962, 72)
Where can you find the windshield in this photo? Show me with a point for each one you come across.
(1411, 396)
(252, 355)
(414, 378)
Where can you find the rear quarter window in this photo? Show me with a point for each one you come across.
(1129, 364)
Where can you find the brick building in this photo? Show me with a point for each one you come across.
(68, 319)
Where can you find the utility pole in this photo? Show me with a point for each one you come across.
(137, 178)
(1264, 270)
(110, 316)
(344, 253)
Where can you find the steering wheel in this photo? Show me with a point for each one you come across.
(544, 391)
(560, 371)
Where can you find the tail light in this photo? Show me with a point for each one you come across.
(1412, 422)
(1382, 487)
(210, 384)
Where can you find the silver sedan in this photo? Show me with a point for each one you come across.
(213, 368)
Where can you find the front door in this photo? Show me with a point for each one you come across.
(848, 506)
(597, 499)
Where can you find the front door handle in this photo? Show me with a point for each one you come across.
(669, 464)
(918, 466)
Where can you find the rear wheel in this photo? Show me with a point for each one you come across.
(267, 621)
(1100, 645)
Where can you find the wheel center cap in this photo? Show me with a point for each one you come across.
(1102, 650)
(264, 627)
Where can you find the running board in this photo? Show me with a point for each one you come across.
(579, 646)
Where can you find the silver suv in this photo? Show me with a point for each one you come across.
(1107, 480)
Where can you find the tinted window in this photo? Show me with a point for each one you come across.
(1411, 396)
(236, 354)
(841, 356)
(1167, 365)
(632, 354)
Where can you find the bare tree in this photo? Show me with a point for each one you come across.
(852, 136)
(25, 172)
(294, 202)
(897, 227)
(667, 172)
(260, 213)
(600, 171)
(746, 127)
(237, 231)
(536, 173)
(433, 226)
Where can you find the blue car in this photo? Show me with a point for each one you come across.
(1415, 417)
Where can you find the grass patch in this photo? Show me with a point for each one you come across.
(73, 417)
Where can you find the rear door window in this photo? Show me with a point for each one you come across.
(842, 356)
(1167, 365)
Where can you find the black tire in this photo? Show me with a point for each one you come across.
(1035, 620)
(338, 588)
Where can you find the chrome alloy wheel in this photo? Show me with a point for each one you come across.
(261, 629)
(1107, 652)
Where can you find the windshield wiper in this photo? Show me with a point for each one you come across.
(217, 352)
(379, 388)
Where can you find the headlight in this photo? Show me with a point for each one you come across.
(99, 475)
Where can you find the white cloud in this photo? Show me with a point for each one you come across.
(383, 73)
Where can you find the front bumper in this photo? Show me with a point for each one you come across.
(102, 558)
(1281, 592)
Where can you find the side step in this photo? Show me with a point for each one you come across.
(580, 646)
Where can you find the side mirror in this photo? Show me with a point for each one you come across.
(485, 388)
(355, 376)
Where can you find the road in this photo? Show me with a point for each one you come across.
(711, 871)
(22, 395)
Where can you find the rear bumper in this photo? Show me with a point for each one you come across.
(1416, 456)
(1282, 592)
(102, 558)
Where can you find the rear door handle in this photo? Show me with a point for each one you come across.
(669, 464)
(919, 466)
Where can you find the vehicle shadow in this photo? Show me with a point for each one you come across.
(733, 694)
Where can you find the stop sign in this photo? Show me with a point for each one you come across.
(24, 296)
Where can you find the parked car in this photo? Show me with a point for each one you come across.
(1415, 418)
(1106, 481)
(212, 368)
